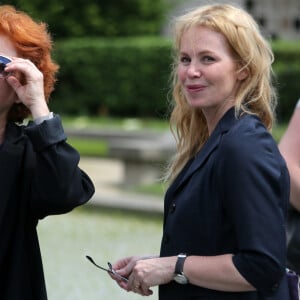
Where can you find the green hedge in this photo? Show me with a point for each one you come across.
(121, 77)
(130, 77)
(287, 70)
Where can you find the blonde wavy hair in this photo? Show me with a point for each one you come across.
(256, 94)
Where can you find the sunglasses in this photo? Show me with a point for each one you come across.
(109, 269)
(3, 62)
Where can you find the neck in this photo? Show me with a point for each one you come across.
(214, 116)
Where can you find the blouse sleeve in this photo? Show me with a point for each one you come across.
(58, 184)
(255, 182)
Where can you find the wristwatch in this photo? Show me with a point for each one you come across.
(179, 276)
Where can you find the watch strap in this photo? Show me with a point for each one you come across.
(179, 263)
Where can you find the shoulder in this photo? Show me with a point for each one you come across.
(249, 143)
(247, 133)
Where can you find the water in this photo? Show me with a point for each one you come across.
(104, 235)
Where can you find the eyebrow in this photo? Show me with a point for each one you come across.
(202, 52)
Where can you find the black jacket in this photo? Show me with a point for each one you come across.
(39, 177)
(231, 198)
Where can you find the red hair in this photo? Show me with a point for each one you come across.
(32, 41)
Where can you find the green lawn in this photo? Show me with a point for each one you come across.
(89, 147)
(92, 147)
(121, 123)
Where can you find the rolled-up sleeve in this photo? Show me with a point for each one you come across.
(256, 191)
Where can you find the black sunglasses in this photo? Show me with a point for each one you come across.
(109, 270)
(3, 62)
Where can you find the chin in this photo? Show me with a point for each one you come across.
(196, 104)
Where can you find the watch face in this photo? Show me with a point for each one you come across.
(180, 279)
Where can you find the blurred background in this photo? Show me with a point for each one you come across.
(115, 55)
(112, 93)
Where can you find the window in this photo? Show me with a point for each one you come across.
(297, 23)
(249, 5)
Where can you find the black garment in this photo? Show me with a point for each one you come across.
(231, 198)
(39, 177)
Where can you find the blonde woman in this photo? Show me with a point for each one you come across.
(224, 219)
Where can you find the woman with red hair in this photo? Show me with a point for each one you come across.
(39, 170)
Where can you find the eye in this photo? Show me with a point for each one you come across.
(185, 59)
(208, 59)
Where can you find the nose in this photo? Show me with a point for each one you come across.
(193, 70)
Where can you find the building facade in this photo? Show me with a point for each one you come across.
(277, 18)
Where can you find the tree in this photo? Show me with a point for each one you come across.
(102, 18)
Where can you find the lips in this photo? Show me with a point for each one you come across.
(193, 88)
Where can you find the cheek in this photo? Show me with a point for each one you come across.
(181, 74)
(225, 76)
(7, 94)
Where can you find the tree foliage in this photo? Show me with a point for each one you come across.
(101, 18)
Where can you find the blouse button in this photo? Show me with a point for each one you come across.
(172, 208)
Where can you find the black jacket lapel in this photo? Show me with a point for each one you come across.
(212, 143)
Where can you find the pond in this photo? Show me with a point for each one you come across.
(105, 235)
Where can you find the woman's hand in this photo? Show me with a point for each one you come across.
(124, 268)
(145, 272)
(152, 272)
(28, 83)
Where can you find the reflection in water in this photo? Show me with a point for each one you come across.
(103, 234)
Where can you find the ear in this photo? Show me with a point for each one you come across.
(242, 74)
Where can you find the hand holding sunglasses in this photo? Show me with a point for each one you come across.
(109, 270)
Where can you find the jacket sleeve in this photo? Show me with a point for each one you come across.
(256, 190)
(58, 184)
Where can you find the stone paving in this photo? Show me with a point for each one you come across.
(107, 175)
